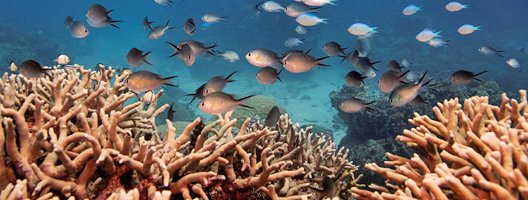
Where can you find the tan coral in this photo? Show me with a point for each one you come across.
(72, 136)
(472, 151)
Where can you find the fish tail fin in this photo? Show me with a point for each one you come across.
(244, 98)
(320, 59)
(167, 25)
(278, 74)
(422, 78)
(145, 60)
(478, 79)
(169, 78)
(344, 58)
(499, 54)
(465, 6)
(374, 29)
(324, 21)
(230, 80)
(480, 73)
(47, 73)
(478, 28)
(436, 34)
(405, 73)
(369, 109)
(214, 45)
(115, 26)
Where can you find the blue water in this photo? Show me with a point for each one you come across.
(35, 30)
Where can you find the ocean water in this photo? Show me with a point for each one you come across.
(34, 29)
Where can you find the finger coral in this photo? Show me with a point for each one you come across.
(470, 151)
(72, 136)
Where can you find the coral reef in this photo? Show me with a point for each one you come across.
(72, 136)
(472, 151)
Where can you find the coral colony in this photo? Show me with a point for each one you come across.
(70, 135)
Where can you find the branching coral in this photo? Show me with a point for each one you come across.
(472, 151)
(71, 136)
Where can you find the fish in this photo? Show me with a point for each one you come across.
(363, 47)
(213, 18)
(170, 112)
(12, 66)
(291, 42)
(75, 66)
(487, 50)
(68, 21)
(272, 6)
(219, 102)
(164, 2)
(361, 29)
(333, 49)
(515, 63)
(62, 59)
(308, 19)
(148, 97)
(411, 76)
(370, 73)
(405, 93)
(411, 9)
(189, 26)
(302, 30)
(394, 66)
(354, 79)
(390, 79)
(468, 29)
(319, 2)
(455, 6)
(294, 51)
(261, 57)
(329, 133)
(158, 31)
(364, 64)
(427, 35)
(301, 62)
(273, 117)
(79, 29)
(351, 57)
(198, 93)
(184, 53)
(135, 57)
(198, 48)
(352, 105)
(33, 69)
(123, 71)
(97, 13)
(143, 80)
(366, 36)
(295, 9)
(146, 23)
(437, 42)
(257, 8)
(104, 23)
(217, 84)
(463, 77)
(406, 63)
(230, 56)
(418, 100)
(268, 75)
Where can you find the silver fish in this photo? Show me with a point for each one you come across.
(142, 80)
(405, 93)
(352, 105)
(68, 21)
(217, 84)
(158, 31)
(333, 49)
(97, 13)
(219, 102)
(146, 23)
(268, 75)
(463, 77)
(189, 26)
(261, 57)
(33, 69)
(300, 62)
(79, 29)
(273, 117)
(487, 50)
(135, 57)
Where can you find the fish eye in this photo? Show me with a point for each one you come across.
(249, 54)
(391, 100)
(203, 104)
